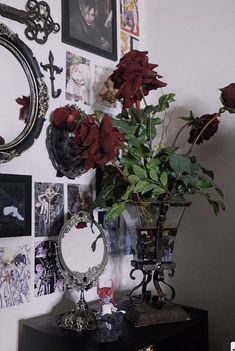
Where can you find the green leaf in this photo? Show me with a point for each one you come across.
(134, 178)
(153, 174)
(115, 211)
(139, 171)
(164, 178)
(180, 163)
(140, 187)
(159, 190)
(148, 187)
(188, 119)
(164, 101)
(204, 184)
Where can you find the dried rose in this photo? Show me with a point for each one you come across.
(65, 117)
(134, 77)
(228, 97)
(24, 110)
(199, 123)
(97, 144)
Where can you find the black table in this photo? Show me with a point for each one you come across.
(192, 335)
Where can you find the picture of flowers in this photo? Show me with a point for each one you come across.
(104, 91)
(49, 209)
(77, 79)
(14, 276)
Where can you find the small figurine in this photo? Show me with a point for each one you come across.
(109, 317)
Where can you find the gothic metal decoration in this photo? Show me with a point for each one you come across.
(38, 97)
(152, 245)
(81, 317)
(52, 68)
(37, 18)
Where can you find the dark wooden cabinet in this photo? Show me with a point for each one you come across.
(192, 335)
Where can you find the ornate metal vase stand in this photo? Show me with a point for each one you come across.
(152, 257)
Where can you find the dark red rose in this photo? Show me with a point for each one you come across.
(134, 77)
(65, 117)
(2, 141)
(197, 126)
(24, 110)
(96, 143)
(228, 97)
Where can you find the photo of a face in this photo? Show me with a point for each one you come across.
(91, 26)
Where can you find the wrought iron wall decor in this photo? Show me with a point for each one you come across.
(36, 104)
(52, 68)
(37, 18)
(82, 270)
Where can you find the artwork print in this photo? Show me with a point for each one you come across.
(79, 198)
(128, 43)
(104, 91)
(49, 209)
(129, 15)
(47, 278)
(14, 276)
(15, 205)
(77, 79)
(91, 26)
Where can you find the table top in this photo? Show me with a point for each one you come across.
(131, 337)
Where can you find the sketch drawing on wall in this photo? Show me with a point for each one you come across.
(14, 276)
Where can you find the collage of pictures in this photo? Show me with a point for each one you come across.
(49, 216)
(19, 194)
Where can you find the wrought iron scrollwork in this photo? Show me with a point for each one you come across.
(37, 18)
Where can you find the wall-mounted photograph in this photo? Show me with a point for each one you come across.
(15, 205)
(103, 89)
(91, 26)
(77, 79)
(49, 209)
(47, 278)
(129, 15)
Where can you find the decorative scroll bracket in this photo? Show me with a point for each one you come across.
(37, 18)
(52, 68)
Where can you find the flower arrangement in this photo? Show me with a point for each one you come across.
(135, 167)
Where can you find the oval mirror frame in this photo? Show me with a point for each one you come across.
(81, 280)
(38, 95)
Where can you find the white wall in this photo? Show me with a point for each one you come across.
(35, 162)
(193, 43)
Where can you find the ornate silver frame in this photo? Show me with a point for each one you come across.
(81, 317)
(38, 95)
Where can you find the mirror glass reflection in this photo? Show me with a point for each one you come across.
(76, 248)
(14, 85)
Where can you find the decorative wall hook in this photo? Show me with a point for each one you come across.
(52, 68)
(37, 18)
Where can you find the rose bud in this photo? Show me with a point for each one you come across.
(228, 97)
